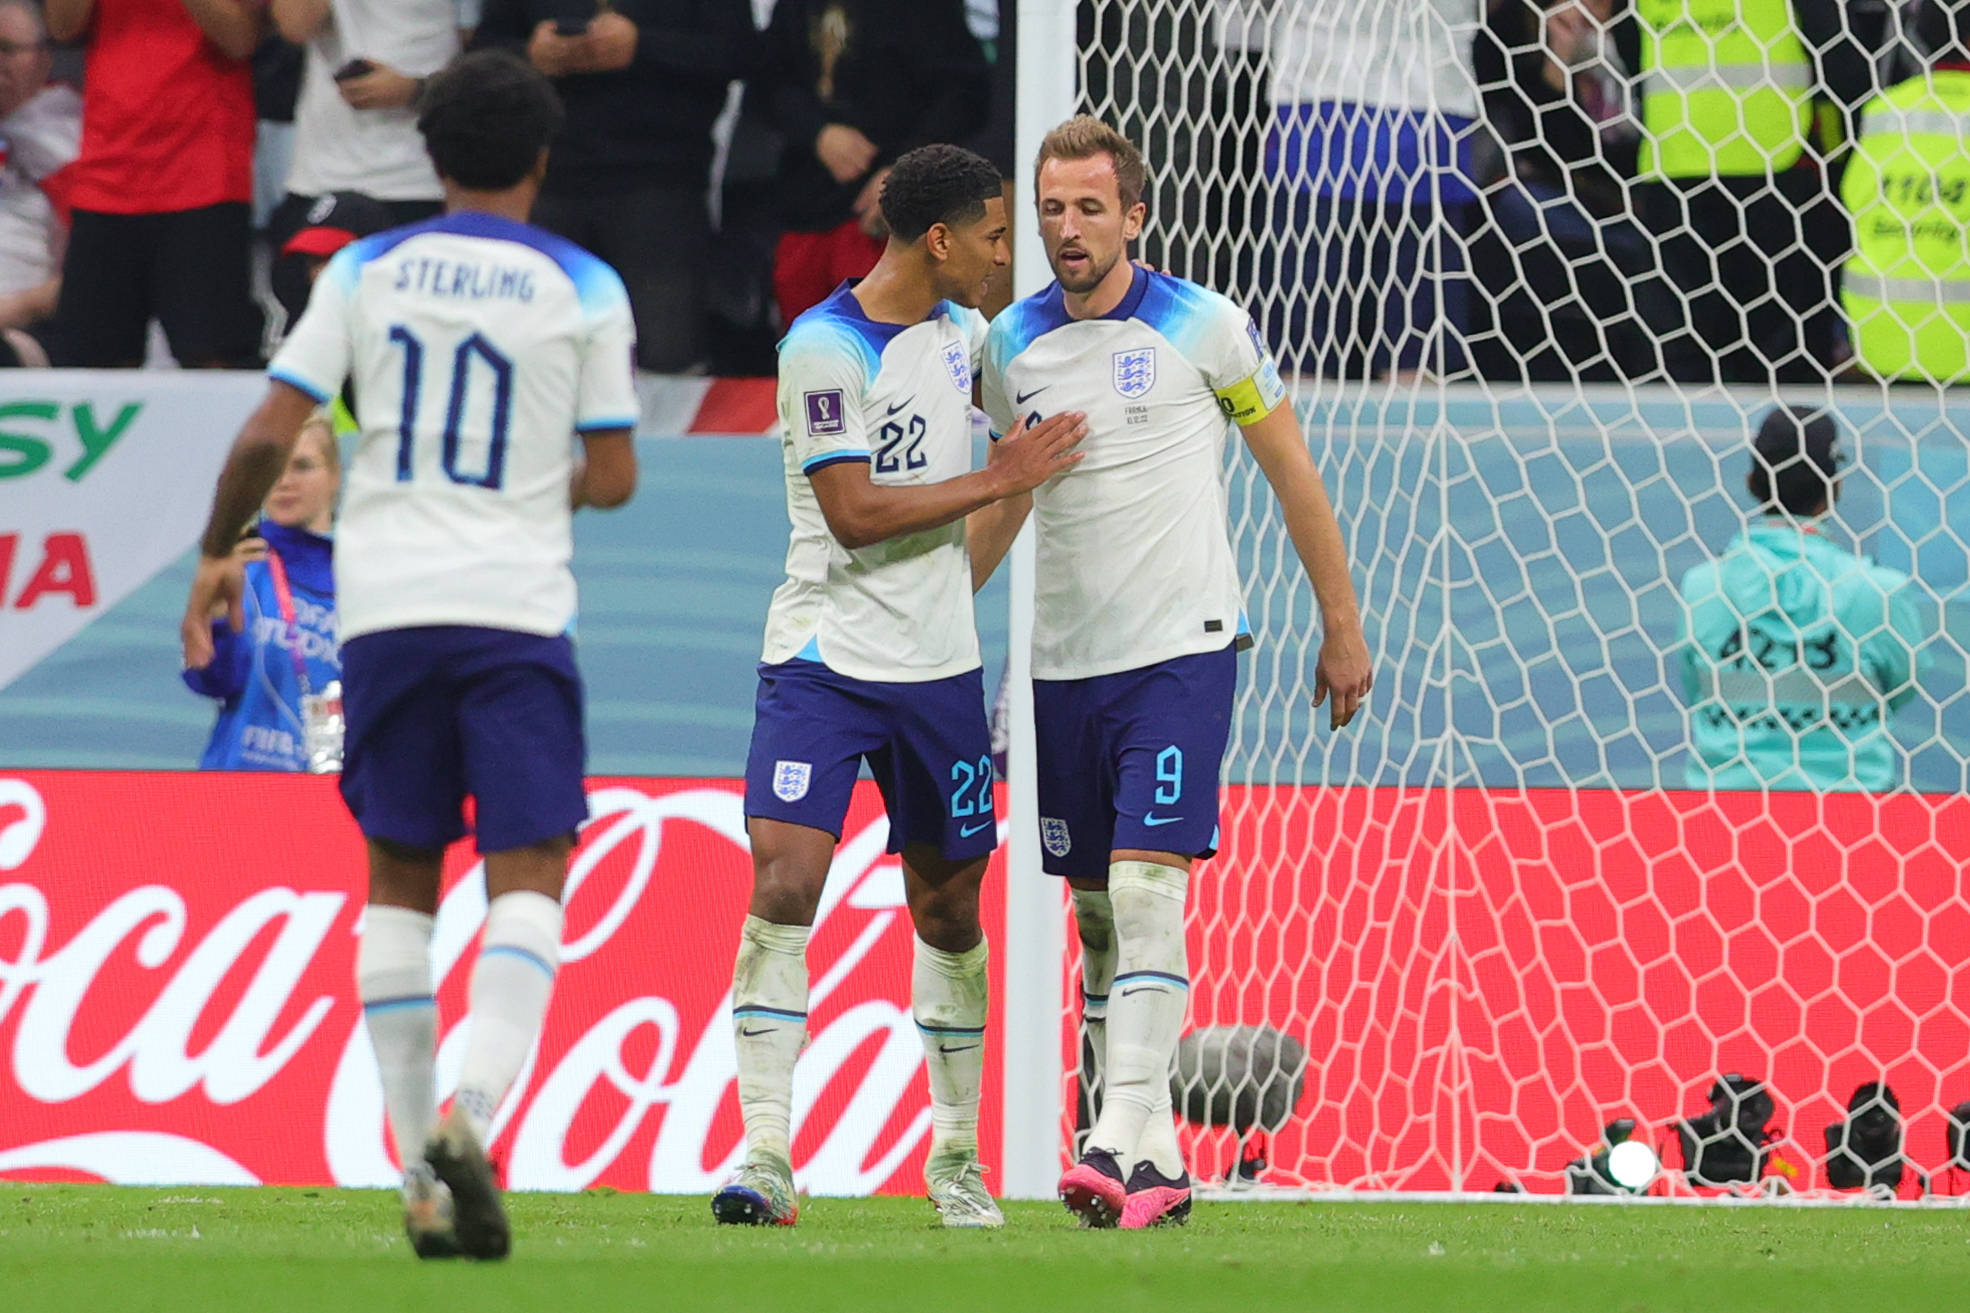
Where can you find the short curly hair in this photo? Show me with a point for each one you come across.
(938, 184)
(486, 117)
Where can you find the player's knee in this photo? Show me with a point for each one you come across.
(784, 891)
(946, 912)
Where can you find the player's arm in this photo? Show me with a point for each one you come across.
(861, 512)
(67, 20)
(1344, 668)
(231, 25)
(989, 532)
(607, 476)
(254, 465)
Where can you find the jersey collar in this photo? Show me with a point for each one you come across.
(1052, 303)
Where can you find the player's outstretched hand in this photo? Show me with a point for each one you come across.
(1344, 672)
(219, 582)
(1027, 457)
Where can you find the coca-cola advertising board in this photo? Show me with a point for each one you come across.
(177, 957)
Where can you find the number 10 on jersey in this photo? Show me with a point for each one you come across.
(475, 360)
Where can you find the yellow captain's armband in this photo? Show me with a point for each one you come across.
(1252, 400)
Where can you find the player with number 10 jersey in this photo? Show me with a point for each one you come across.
(480, 350)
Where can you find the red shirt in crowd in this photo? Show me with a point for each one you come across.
(167, 118)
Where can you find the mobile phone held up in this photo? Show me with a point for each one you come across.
(355, 68)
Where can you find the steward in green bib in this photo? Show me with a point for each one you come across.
(1734, 198)
(1795, 651)
(1907, 284)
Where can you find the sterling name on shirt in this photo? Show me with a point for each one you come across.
(465, 282)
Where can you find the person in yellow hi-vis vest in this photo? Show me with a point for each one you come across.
(1907, 284)
(1728, 188)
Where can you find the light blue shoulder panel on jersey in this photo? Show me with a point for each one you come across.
(839, 326)
(1183, 312)
(1023, 323)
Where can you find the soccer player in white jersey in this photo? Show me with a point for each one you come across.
(1139, 620)
(480, 348)
(871, 652)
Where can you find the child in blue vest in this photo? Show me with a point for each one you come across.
(289, 637)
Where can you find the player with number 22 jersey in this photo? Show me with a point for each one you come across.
(871, 655)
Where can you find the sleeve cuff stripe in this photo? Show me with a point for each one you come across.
(832, 458)
(607, 422)
(299, 384)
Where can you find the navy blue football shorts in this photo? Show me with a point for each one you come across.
(436, 713)
(927, 744)
(1131, 760)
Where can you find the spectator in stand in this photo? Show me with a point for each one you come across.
(334, 221)
(1576, 292)
(40, 133)
(1731, 192)
(1370, 161)
(1907, 286)
(628, 178)
(287, 650)
(355, 124)
(160, 226)
(1795, 651)
(851, 85)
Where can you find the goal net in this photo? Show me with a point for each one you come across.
(1530, 349)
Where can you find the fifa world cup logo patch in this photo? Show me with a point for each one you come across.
(1135, 371)
(1054, 836)
(790, 780)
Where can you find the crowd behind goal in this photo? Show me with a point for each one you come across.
(1749, 192)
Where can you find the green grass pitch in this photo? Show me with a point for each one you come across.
(203, 1250)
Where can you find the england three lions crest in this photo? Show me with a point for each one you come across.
(1054, 835)
(790, 779)
(957, 359)
(1135, 371)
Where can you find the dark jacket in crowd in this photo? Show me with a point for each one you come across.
(649, 122)
(904, 72)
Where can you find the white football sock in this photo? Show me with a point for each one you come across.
(948, 995)
(769, 1026)
(511, 985)
(1146, 1004)
(1094, 921)
(1158, 1143)
(393, 980)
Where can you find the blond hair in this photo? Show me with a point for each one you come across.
(1084, 137)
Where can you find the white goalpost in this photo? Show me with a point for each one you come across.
(1451, 947)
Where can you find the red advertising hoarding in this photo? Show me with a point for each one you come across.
(1480, 978)
(176, 1001)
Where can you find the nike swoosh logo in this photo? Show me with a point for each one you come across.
(1021, 398)
(970, 830)
(963, 1048)
(1144, 989)
(764, 1030)
(899, 405)
(1148, 819)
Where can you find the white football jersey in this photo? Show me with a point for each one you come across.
(479, 348)
(899, 398)
(1134, 558)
